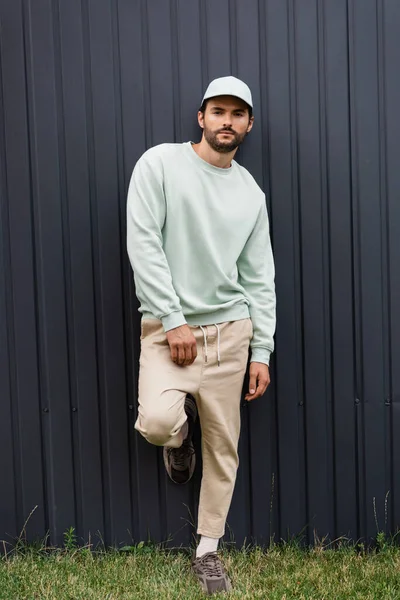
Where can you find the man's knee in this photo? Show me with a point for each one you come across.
(156, 427)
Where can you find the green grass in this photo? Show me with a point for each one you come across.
(285, 572)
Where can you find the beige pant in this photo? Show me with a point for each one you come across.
(163, 386)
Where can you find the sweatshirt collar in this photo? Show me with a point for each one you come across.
(195, 158)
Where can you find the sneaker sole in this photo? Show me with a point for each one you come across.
(191, 413)
(226, 587)
(191, 469)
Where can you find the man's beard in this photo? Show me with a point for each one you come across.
(223, 147)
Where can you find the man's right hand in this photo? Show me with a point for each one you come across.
(182, 344)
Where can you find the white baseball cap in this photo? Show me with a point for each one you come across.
(229, 86)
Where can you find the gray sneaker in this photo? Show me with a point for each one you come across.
(180, 462)
(211, 574)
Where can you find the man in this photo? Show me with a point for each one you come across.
(198, 241)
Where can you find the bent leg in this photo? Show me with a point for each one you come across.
(161, 416)
(163, 387)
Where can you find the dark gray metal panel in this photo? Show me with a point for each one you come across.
(86, 88)
(280, 127)
(340, 275)
(190, 46)
(369, 260)
(45, 117)
(79, 272)
(311, 112)
(105, 185)
(19, 285)
(390, 43)
(9, 507)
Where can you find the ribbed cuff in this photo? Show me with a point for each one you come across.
(260, 355)
(174, 319)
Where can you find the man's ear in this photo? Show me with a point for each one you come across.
(251, 122)
(200, 119)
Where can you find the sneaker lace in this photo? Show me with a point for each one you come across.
(179, 456)
(211, 565)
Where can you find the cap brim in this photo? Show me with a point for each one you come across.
(207, 97)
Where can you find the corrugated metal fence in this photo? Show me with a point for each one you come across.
(86, 86)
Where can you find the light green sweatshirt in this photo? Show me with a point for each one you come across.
(199, 245)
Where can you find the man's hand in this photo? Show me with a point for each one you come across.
(259, 380)
(183, 345)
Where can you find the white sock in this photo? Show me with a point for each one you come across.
(206, 544)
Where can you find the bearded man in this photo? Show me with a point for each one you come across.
(199, 245)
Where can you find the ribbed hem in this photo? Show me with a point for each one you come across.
(174, 319)
(232, 313)
(261, 355)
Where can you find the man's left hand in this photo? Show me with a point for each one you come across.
(259, 380)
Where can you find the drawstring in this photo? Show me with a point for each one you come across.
(218, 344)
(205, 341)
(218, 336)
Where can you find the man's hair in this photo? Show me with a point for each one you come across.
(204, 105)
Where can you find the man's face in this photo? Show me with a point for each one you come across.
(225, 123)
